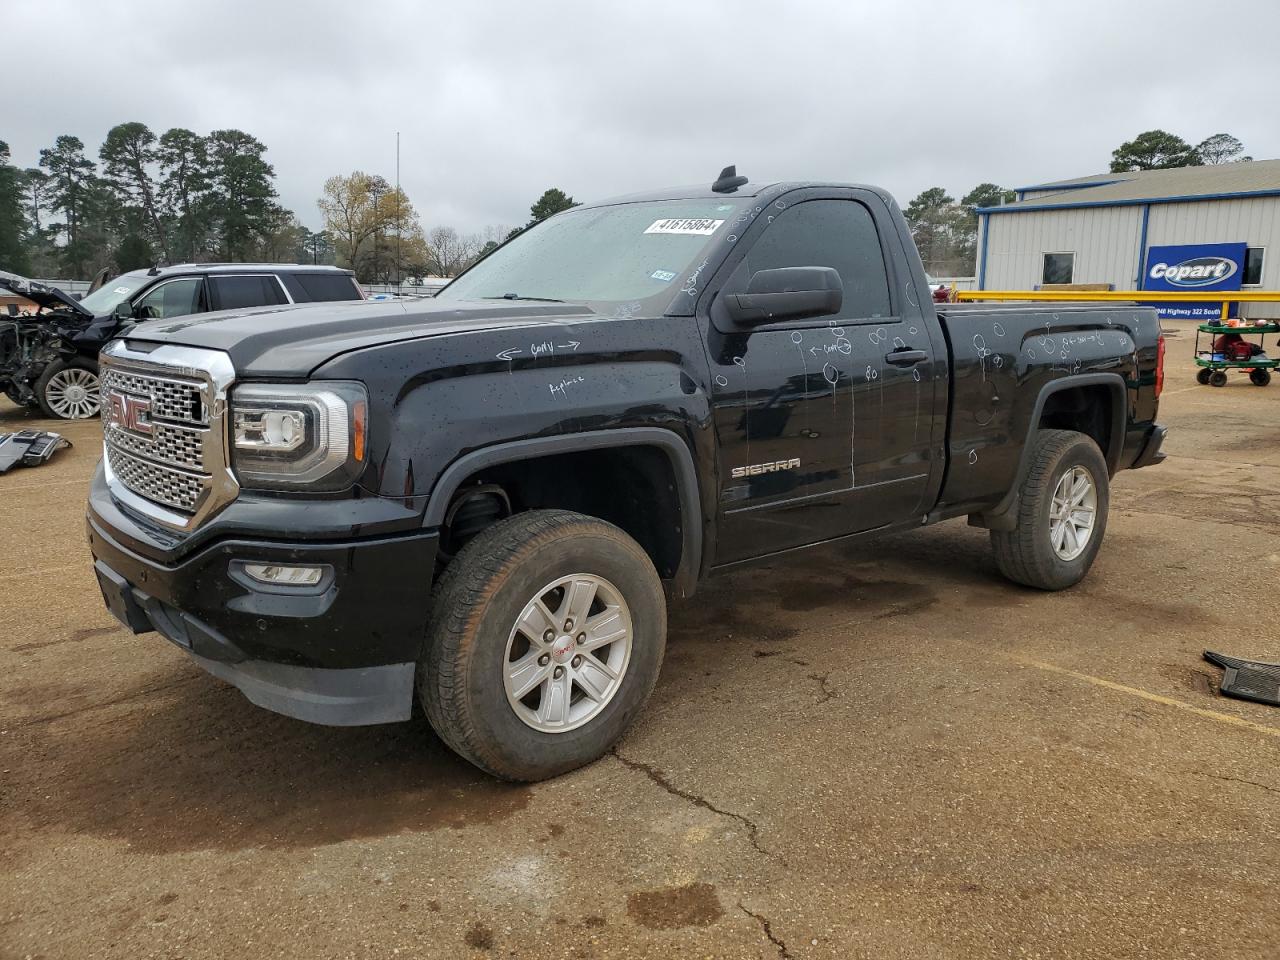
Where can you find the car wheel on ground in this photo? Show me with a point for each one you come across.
(545, 641)
(1062, 513)
(1218, 378)
(1202, 376)
(1259, 377)
(69, 390)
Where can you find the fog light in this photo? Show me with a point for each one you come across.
(276, 575)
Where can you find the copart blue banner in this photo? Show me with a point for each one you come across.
(1194, 266)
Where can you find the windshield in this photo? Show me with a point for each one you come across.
(624, 253)
(103, 300)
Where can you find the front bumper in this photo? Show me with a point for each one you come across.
(341, 653)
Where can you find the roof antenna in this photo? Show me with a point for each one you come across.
(728, 181)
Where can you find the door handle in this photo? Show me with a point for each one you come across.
(905, 358)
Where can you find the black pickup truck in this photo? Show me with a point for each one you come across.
(486, 499)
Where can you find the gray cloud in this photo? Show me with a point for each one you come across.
(495, 102)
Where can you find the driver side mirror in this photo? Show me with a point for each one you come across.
(123, 311)
(787, 293)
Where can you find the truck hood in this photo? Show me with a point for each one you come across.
(42, 295)
(291, 341)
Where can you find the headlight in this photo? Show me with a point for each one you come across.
(296, 435)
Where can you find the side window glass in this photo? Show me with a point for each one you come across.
(174, 298)
(828, 233)
(236, 292)
(327, 286)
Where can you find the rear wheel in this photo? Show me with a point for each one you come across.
(69, 390)
(546, 638)
(1218, 378)
(1062, 513)
(1202, 376)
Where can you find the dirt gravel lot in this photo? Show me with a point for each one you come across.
(880, 750)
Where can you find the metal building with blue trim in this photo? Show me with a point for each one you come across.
(1098, 230)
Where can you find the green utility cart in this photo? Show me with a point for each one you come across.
(1214, 364)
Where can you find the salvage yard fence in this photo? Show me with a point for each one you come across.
(404, 289)
(74, 287)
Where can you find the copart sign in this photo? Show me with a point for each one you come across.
(1194, 267)
(1202, 266)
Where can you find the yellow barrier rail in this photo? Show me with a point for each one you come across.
(1224, 297)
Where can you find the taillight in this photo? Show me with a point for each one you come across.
(1159, 364)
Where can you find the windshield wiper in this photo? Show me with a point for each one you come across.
(516, 296)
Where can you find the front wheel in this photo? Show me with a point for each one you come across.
(1202, 376)
(546, 638)
(1259, 377)
(1062, 513)
(69, 390)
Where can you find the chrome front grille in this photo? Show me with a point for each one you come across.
(177, 400)
(164, 421)
(173, 488)
(174, 446)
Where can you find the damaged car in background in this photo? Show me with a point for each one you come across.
(49, 359)
(33, 345)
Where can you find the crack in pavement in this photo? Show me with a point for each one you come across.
(1223, 463)
(658, 777)
(901, 610)
(767, 929)
(824, 681)
(1252, 783)
(101, 704)
(75, 637)
(1132, 513)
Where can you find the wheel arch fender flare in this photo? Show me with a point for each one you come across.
(1002, 516)
(668, 441)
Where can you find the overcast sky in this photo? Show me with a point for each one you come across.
(497, 101)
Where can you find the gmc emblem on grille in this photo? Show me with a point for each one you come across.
(132, 413)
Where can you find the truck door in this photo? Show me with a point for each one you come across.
(824, 424)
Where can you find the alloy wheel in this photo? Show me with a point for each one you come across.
(567, 655)
(73, 393)
(1072, 513)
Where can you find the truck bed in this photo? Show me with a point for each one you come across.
(1005, 359)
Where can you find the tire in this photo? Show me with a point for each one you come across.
(473, 645)
(1027, 554)
(1259, 377)
(69, 390)
(1218, 378)
(1202, 376)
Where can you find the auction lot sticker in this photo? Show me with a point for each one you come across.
(687, 228)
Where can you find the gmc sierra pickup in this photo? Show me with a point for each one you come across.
(486, 499)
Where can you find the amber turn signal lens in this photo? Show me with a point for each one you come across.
(359, 422)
